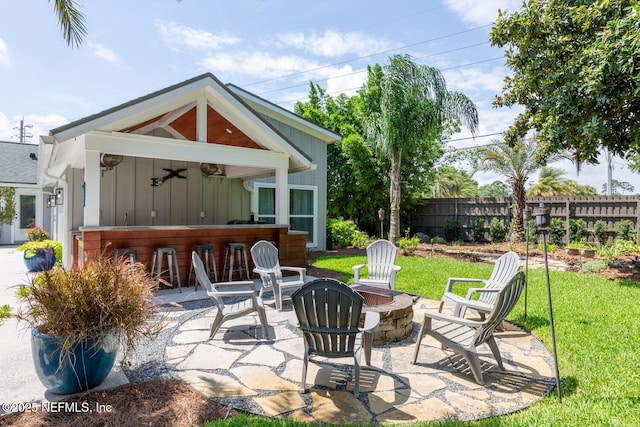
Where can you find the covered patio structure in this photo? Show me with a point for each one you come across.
(177, 167)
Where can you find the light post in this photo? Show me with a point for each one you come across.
(527, 216)
(381, 218)
(542, 223)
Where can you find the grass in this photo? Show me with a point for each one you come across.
(597, 323)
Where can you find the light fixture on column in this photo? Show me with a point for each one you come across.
(59, 196)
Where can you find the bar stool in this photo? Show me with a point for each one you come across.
(209, 261)
(132, 253)
(172, 262)
(229, 254)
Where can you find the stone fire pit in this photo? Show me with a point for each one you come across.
(396, 312)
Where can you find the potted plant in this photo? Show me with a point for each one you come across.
(573, 248)
(40, 252)
(80, 317)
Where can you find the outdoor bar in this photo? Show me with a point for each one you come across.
(90, 242)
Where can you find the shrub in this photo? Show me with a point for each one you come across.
(593, 266)
(408, 245)
(532, 230)
(624, 230)
(452, 230)
(37, 234)
(477, 230)
(497, 230)
(600, 232)
(438, 240)
(577, 229)
(556, 231)
(344, 233)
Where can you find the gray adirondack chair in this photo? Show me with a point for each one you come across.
(267, 265)
(464, 336)
(242, 293)
(504, 269)
(381, 256)
(328, 313)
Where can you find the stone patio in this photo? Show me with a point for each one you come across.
(263, 376)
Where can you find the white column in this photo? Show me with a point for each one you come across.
(91, 188)
(282, 195)
(201, 119)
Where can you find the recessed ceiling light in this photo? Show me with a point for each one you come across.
(229, 130)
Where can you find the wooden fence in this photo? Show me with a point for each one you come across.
(431, 215)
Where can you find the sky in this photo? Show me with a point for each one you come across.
(272, 48)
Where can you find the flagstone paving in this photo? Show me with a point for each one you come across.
(240, 369)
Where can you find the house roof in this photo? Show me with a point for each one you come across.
(18, 163)
(234, 118)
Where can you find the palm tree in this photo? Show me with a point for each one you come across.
(451, 182)
(551, 182)
(516, 164)
(414, 107)
(71, 21)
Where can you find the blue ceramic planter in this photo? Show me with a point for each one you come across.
(43, 260)
(86, 367)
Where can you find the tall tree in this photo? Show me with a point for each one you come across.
(516, 163)
(495, 189)
(414, 107)
(71, 21)
(618, 187)
(575, 70)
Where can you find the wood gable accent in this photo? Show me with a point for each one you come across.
(219, 129)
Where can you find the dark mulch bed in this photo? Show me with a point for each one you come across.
(151, 403)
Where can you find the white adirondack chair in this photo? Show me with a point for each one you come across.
(464, 336)
(265, 258)
(381, 256)
(243, 294)
(504, 269)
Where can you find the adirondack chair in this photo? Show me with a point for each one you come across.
(265, 258)
(242, 293)
(381, 255)
(328, 313)
(464, 336)
(504, 269)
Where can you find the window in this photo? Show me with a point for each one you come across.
(27, 211)
(303, 208)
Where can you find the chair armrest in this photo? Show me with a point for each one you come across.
(476, 305)
(300, 270)
(471, 291)
(356, 272)
(452, 319)
(241, 286)
(392, 278)
(371, 321)
(453, 280)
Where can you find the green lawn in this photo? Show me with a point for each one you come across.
(597, 324)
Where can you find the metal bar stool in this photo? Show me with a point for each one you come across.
(172, 262)
(229, 255)
(132, 253)
(209, 262)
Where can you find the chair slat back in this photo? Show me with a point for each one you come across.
(381, 256)
(203, 279)
(503, 270)
(506, 300)
(265, 256)
(328, 313)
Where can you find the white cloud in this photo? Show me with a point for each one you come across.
(345, 80)
(193, 38)
(260, 64)
(334, 43)
(481, 12)
(102, 52)
(6, 128)
(4, 53)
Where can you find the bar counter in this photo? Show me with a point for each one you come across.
(90, 242)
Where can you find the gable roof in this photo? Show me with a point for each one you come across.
(18, 163)
(172, 112)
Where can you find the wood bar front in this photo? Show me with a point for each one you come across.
(103, 240)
